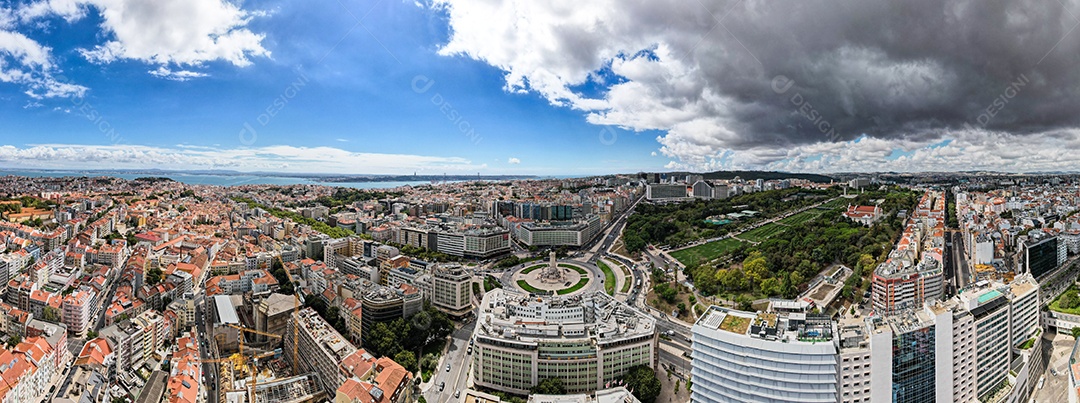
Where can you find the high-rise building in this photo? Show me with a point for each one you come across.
(587, 341)
(320, 348)
(384, 304)
(764, 357)
(990, 309)
(666, 191)
(1041, 255)
(451, 289)
(702, 189)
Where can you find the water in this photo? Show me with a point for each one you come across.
(218, 180)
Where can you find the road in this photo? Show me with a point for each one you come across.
(962, 272)
(460, 363)
(1057, 281)
(596, 276)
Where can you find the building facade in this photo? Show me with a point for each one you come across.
(587, 341)
(742, 357)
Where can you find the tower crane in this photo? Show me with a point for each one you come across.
(254, 363)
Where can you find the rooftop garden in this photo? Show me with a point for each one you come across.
(735, 324)
(1067, 302)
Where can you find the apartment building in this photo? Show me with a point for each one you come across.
(320, 348)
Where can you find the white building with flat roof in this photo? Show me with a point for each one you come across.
(764, 357)
(588, 341)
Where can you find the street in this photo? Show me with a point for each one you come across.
(460, 363)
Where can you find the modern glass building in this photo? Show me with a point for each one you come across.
(913, 375)
(1041, 257)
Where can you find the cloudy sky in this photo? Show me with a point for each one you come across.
(540, 87)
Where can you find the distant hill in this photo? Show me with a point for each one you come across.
(755, 175)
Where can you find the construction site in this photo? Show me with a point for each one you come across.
(252, 366)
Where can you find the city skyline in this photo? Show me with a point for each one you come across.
(546, 89)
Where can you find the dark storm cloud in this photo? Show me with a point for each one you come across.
(760, 83)
(910, 68)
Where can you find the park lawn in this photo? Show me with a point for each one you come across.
(839, 202)
(801, 217)
(578, 269)
(609, 277)
(575, 287)
(531, 268)
(760, 234)
(525, 286)
(705, 252)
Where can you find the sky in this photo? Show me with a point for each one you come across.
(540, 87)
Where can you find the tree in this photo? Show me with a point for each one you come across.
(14, 340)
(1070, 299)
(796, 278)
(406, 359)
(643, 381)
(50, 314)
(756, 268)
(866, 262)
(771, 287)
(153, 275)
(1076, 332)
(383, 340)
(549, 386)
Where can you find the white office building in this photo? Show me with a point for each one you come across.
(764, 357)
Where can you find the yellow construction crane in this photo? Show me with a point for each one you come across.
(254, 363)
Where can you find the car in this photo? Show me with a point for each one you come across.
(447, 367)
(469, 351)
(442, 385)
(457, 394)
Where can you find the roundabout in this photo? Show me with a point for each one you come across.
(555, 278)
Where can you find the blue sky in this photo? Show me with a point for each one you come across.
(551, 87)
(340, 87)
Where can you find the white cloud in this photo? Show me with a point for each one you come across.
(70, 10)
(181, 32)
(178, 75)
(513, 160)
(26, 62)
(297, 159)
(965, 150)
(177, 37)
